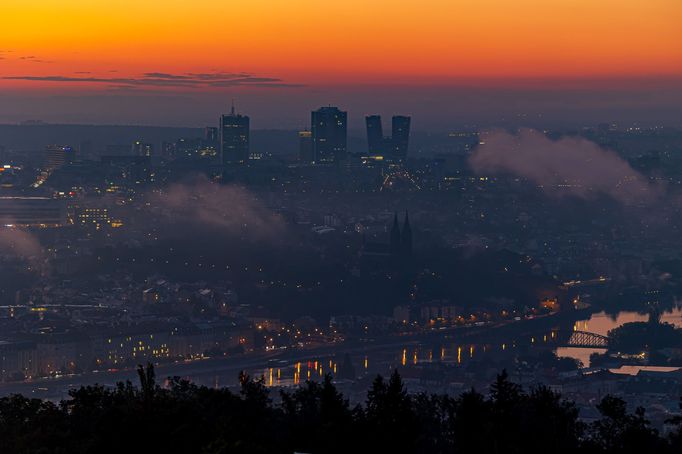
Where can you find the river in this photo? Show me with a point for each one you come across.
(291, 367)
(602, 323)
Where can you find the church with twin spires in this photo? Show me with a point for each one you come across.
(401, 240)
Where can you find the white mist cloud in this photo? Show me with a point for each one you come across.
(231, 210)
(24, 245)
(576, 165)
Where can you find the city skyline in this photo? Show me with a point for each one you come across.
(491, 62)
(293, 226)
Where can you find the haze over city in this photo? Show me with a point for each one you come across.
(301, 227)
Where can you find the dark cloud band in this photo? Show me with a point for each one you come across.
(160, 79)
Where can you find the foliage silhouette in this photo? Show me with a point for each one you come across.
(317, 418)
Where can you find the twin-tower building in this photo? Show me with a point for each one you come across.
(325, 143)
(392, 147)
(327, 140)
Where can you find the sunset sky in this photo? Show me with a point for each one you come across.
(253, 48)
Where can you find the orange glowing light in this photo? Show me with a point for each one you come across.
(299, 42)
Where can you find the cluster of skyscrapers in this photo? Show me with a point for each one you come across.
(325, 143)
(393, 147)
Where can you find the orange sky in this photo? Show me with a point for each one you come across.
(343, 42)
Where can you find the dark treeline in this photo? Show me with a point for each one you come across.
(316, 418)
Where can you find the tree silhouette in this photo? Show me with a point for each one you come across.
(389, 416)
(317, 418)
(676, 435)
(622, 432)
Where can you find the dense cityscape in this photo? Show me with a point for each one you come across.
(205, 255)
(354, 227)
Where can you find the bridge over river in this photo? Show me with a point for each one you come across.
(583, 339)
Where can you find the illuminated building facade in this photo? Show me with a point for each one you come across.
(93, 217)
(329, 127)
(56, 156)
(234, 138)
(32, 212)
(17, 360)
(142, 149)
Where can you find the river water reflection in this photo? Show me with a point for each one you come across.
(602, 323)
(382, 361)
(371, 361)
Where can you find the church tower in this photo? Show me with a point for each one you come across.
(406, 238)
(396, 241)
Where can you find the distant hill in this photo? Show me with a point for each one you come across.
(35, 137)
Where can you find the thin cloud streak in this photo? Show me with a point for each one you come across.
(160, 79)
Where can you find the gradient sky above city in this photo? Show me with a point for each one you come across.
(90, 60)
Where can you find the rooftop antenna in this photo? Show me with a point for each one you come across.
(232, 111)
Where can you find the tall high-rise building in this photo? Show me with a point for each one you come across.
(392, 148)
(329, 127)
(375, 135)
(56, 156)
(142, 149)
(211, 135)
(305, 141)
(400, 135)
(234, 138)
